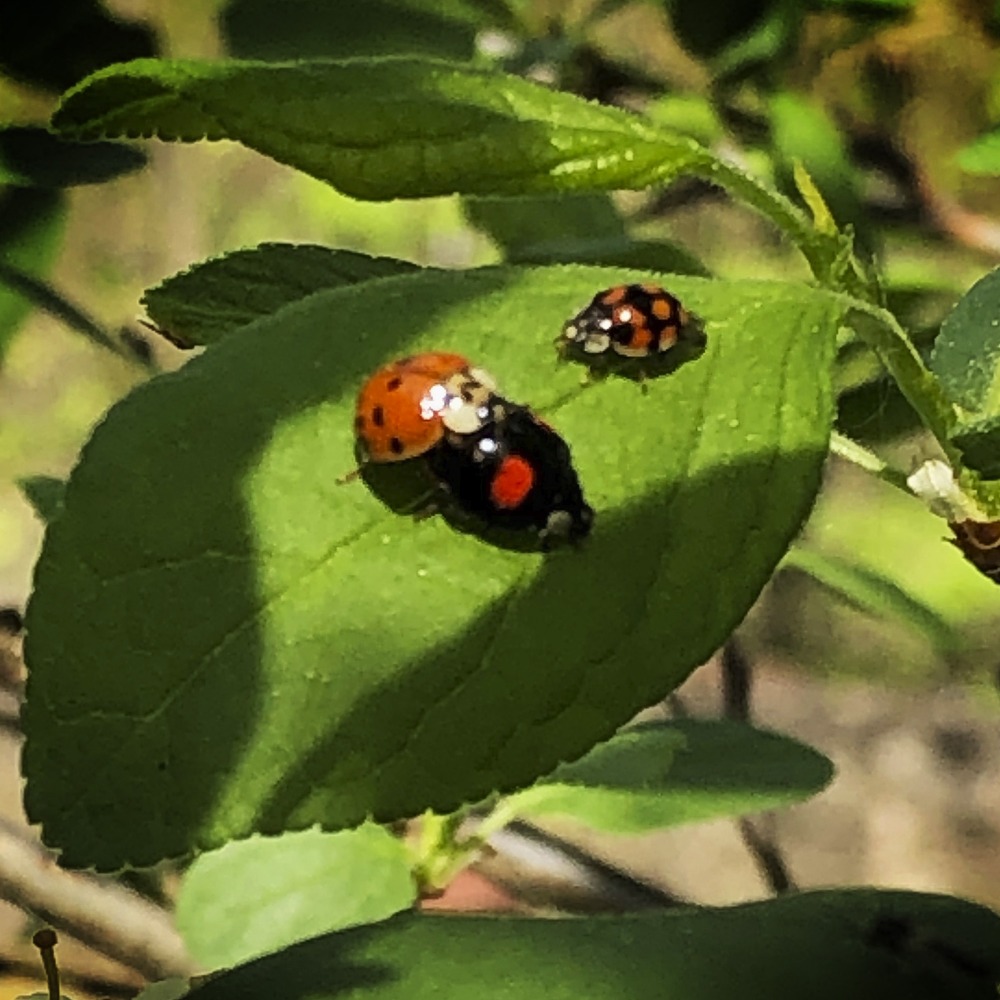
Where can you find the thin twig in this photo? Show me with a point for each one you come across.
(766, 853)
(43, 296)
(737, 681)
(758, 835)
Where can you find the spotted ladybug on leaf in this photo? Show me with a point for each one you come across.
(489, 459)
(404, 409)
(514, 473)
(634, 321)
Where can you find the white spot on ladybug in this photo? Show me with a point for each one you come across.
(596, 344)
(435, 401)
(625, 315)
(463, 418)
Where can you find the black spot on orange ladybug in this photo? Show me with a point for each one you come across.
(635, 321)
(514, 473)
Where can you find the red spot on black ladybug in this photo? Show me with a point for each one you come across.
(512, 482)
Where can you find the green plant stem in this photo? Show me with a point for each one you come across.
(915, 380)
(747, 189)
(889, 340)
(502, 814)
(823, 251)
(440, 855)
(850, 451)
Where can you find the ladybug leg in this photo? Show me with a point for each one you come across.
(426, 505)
(592, 376)
(348, 477)
(428, 510)
(643, 381)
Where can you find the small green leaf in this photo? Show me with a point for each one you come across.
(256, 896)
(45, 494)
(865, 944)
(213, 298)
(966, 360)
(979, 442)
(385, 128)
(822, 219)
(873, 593)
(663, 774)
(982, 156)
(34, 157)
(345, 662)
(31, 229)
(966, 353)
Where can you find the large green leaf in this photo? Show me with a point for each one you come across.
(227, 641)
(409, 127)
(863, 944)
(662, 774)
(385, 128)
(255, 896)
(213, 298)
(966, 359)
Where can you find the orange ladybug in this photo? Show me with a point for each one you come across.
(405, 408)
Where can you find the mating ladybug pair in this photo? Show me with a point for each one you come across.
(493, 459)
(496, 460)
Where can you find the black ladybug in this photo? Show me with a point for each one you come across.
(515, 473)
